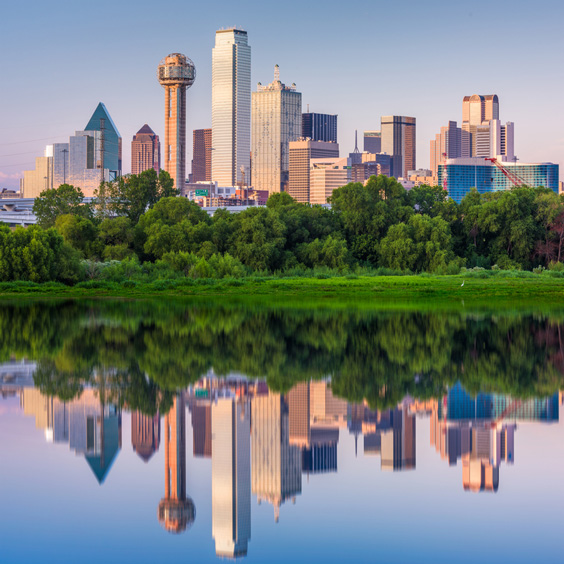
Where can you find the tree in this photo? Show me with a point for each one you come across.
(133, 195)
(80, 233)
(54, 202)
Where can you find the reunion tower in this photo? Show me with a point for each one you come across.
(176, 73)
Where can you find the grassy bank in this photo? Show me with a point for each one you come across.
(488, 289)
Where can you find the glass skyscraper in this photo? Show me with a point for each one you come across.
(319, 127)
(231, 107)
(398, 140)
(277, 114)
(465, 174)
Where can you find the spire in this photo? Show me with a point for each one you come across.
(356, 142)
(276, 73)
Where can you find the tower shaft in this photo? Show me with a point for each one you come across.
(175, 133)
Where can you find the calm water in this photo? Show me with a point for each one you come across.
(140, 431)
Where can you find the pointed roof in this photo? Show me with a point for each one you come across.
(101, 112)
(146, 129)
(101, 463)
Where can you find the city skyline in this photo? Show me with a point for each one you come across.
(28, 129)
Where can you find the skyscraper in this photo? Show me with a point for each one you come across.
(451, 143)
(477, 111)
(145, 151)
(398, 140)
(176, 73)
(325, 176)
(373, 141)
(176, 512)
(276, 120)
(301, 153)
(231, 106)
(231, 477)
(201, 155)
(319, 127)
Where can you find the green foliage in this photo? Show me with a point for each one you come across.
(80, 233)
(54, 202)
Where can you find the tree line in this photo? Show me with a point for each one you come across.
(140, 220)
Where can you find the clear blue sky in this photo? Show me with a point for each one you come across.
(359, 59)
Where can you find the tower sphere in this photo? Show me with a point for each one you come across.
(176, 70)
(176, 516)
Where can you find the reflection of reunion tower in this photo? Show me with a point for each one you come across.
(176, 73)
(176, 512)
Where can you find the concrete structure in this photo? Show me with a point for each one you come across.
(145, 151)
(176, 512)
(201, 155)
(231, 107)
(276, 465)
(371, 165)
(327, 175)
(176, 73)
(301, 153)
(422, 176)
(399, 140)
(476, 110)
(276, 120)
(231, 477)
(372, 141)
(145, 434)
(90, 157)
(465, 174)
(319, 127)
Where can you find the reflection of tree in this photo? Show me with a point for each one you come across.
(148, 350)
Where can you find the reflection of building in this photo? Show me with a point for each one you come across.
(176, 512)
(145, 434)
(231, 477)
(325, 407)
(201, 429)
(91, 428)
(321, 455)
(276, 465)
(398, 442)
(299, 414)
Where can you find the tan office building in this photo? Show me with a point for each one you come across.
(301, 153)
(145, 151)
(327, 175)
(201, 155)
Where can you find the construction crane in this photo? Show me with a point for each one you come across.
(513, 178)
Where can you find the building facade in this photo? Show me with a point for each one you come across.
(451, 143)
(231, 107)
(372, 141)
(465, 174)
(399, 140)
(201, 155)
(276, 120)
(301, 152)
(319, 127)
(176, 73)
(145, 151)
(327, 175)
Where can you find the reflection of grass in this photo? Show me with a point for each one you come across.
(496, 289)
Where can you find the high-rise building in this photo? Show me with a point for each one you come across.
(90, 157)
(327, 175)
(451, 143)
(398, 442)
(145, 434)
(465, 174)
(319, 127)
(176, 73)
(477, 111)
(398, 140)
(231, 107)
(176, 512)
(373, 141)
(201, 427)
(301, 153)
(201, 155)
(145, 151)
(276, 120)
(231, 477)
(276, 465)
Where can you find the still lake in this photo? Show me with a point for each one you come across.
(144, 431)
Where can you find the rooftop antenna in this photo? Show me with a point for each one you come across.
(356, 142)
(276, 73)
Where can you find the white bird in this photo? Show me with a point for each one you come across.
(462, 284)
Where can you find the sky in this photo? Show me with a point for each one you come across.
(360, 59)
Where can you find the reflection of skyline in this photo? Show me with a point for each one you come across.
(91, 428)
(276, 465)
(145, 434)
(176, 512)
(231, 476)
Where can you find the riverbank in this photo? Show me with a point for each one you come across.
(487, 288)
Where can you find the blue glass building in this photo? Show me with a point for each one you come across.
(466, 173)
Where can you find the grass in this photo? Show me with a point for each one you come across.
(482, 289)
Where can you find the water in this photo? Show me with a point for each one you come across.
(140, 431)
